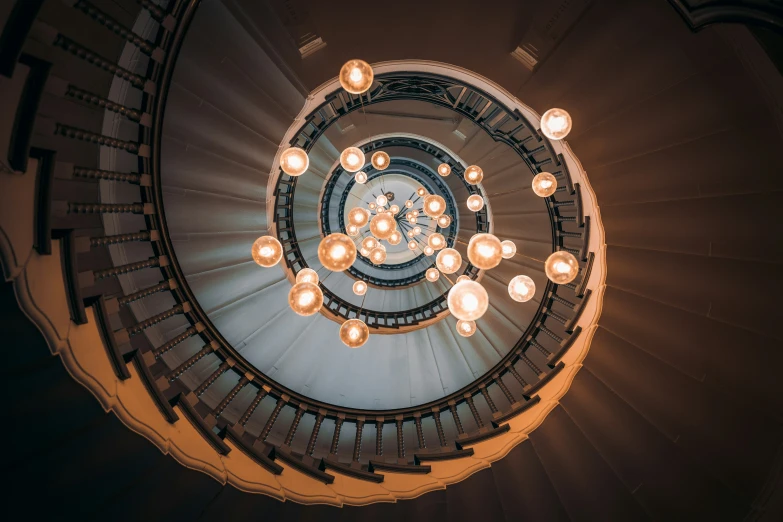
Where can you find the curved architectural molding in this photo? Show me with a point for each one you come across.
(701, 13)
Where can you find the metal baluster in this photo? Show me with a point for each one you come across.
(252, 408)
(185, 366)
(151, 290)
(109, 175)
(400, 437)
(272, 418)
(357, 443)
(294, 424)
(98, 139)
(504, 389)
(319, 418)
(102, 103)
(212, 378)
(155, 319)
(231, 395)
(116, 239)
(191, 331)
(105, 208)
(488, 398)
(379, 436)
(473, 410)
(439, 427)
(338, 425)
(419, 431)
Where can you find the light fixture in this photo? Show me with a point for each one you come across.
(412, 220)
(360, 288)
(352, 230)
(448, 260)
(561, 267)
(378, 255)
(356, 76)
(381, 200)
(352, 159)
(305, 298)
(544, 184)
(380, 210)
(411, 233)
(358, 216)
(521, 288)
(421, 191)
(466, 328)
(444, 169)
(434, 205)
(475, 203)
(556, 124)
(369, 242)
(463, 278)
(415, 213)
(294, 161)
(408, 203)
(307, 275)
(371, 205)
(468, 300)
(267, 251)
(337, 252)
(432, 275)
(509, 249)
(412, 245)
(380, 160)
(365, 252)
(436, 241)
(383, 225)
(416, 230)
(444, 221)
(361, 177)
(394, 209)
(354, 333)
(485, 251)
(395, 238)
(474, 175)
(428, 250)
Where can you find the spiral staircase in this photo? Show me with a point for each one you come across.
(159, 373)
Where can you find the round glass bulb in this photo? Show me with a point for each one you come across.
(354, 333)
(305, 298)
(352, 159)
(416, 231)
(371, 205)
(556, 124)
(267, 251)
(383, 225)
(394, 209)
(358, 216)
(463, 278)
(337, 252)
(466, 328)
(408, 203)
(352, 230)
(474, 174)
(369, 242)
(307, 275)
(380, 160)
(356, 76)
(381, 200)
(434, 205)
(421, 191)
(521, 288)
(509, 249)
(377, 255)
(412, 220)
(361, 177)
(412, 244)
(436, 241)
(410, 233)
(365, 252)
(360, 288)
(428, 250)
(485, 251)
(380, 210)
(415, 213)
(444, 169)
(544, 184)
(561, 267)
(448, 260)
(294, 161)
(432, 275)
(395, 238)
(468, 300)
(475, 203)
(444, 221)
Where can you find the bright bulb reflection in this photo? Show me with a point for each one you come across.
(434, 205)
(352, 159)
(361, 177)
(509, 249)
(358, 216)
(474, 174)
(428, 250)
(305, 298)
(383, 225)
(381, 200)
(354, 333)
(378, 255)
(444, 221)
(337, 252)
(294, 161)
(463, 278)
(561, 267)
(485, 251)
(475, 203)
(544, 184)
(307, 275)
(521, 288)
(432, 275)
(466, 328)
(352, 230)
(444, 169)
(360, 288)
(556, 124)
(380, 160)
(421, 191)
(267, 251)
(412, 245)
(468, 300)
(395, 238)
(448, 260)
(356, 76)
(369, 242)
(408, 203)
(436, 241)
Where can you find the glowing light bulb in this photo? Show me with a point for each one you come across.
(408, 203)
(428, 250)
(444, 221)
(412, 220)
(410, 233)
(337, 252)
(352, 159)
(369, 242)
(468, 300)
(474, 175)
(485, 251)
(358, 216)
(436, 241)
(444, 169)
(383, 225)
(352, 230)
(521, 288)
(365, 252)
(412, 245)
(267, 251)
(466, 328)
(544, 184)
(378, 255)
(395, 238)
(380, 210)
(381, 200)
(305, 298)
(432, 275)
(294, 161)
(561, 267)
(380, 160)
(475, 203)
(361, 177)
(356, 76)
(416, 230)
(434, 205)
(360, 288)
(354, 333)
(394, 209)
(421, 191)
(307, 275)
(448, 260)
(415, 213)
(556, 124)
(509, 249)
(463, 278)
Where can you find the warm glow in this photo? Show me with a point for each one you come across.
(416, 231)
(412, 244)
(509, 249)
(432, 275)
(358, 216)
(356, 76)
(434, 205)
(448, 260)
(485, 251)
(521, 288)
(267, 251)
(415, 213)
(307, 275)
(371, 205)
(410, 233)
(352, 230)
(378, 255)
(294, 161)
(337, 252)
(381, 200)
(361, 177)
(305, 298)
(421, 191)
(428, 250)
(394, 209)
(463, 278)
(466, 328)
(561, 267)
(412, 220)
(380, 160)
(444, 169)
(383, 225)
(444, 221)
(395, 238)
(354, 333)
(475, 203)
(380, 210)
(468, 300)
(544, 184)
(556, 124)
(352, 159)
(474, 174)
(409, 203)
(365, 252)
(436, 241)
(360, 288)
(369, 242)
